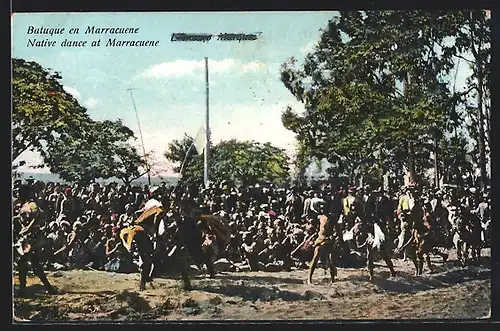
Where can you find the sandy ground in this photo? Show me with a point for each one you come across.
(451, 292)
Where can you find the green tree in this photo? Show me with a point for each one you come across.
(42, 111)
(185, 155)
(455, 158)
(376, 82)
(247, 162)
(301, 161)
(99, 150)
(472, 35)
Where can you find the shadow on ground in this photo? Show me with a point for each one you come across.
(254, 293)
(405, 282)
(263, 279)
(32, 291)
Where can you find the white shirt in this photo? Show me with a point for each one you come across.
(411, 203)
(152, 203)
(350, 200)
(433, 204)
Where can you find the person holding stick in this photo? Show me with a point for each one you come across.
(324, 244)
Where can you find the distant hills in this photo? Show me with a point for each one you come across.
(50, 177)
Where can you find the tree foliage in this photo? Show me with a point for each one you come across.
(246, 162)
(42, 111)
(454, 158)
(99, 150)
(190, 163)
(49, 120)
(378, 82)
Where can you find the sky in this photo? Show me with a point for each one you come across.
(246, 94)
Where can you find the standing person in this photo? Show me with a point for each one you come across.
(405, 205)
(383, 212)
(294, 203)
(56, 198)
(151, 202)
(440, 216)
(150, 214)
(369, 208)
(68, 206)
(28, 246)
(404, 201)
(335, 209)
(307, 204)
(348, 202)
(324, 244)
(483, 210)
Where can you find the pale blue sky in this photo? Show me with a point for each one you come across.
(246, 95)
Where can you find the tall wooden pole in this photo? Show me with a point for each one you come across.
(140, 135)
(207, 128)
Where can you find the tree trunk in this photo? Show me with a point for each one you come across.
(352, 177)
(482, 152)
(411, 163)
(479, 72)
(382, 173)
(488, 122)
(436, 161)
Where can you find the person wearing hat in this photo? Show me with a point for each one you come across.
(30, 181)
(28, 246)
(324, 244)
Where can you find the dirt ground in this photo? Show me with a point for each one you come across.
(451, 292)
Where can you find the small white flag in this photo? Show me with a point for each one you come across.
(199, 140)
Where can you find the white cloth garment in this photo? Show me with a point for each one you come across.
(411, 203)
(152, 203)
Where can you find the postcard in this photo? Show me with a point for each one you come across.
(207, 165)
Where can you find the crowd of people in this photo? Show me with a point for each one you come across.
(271, 228)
